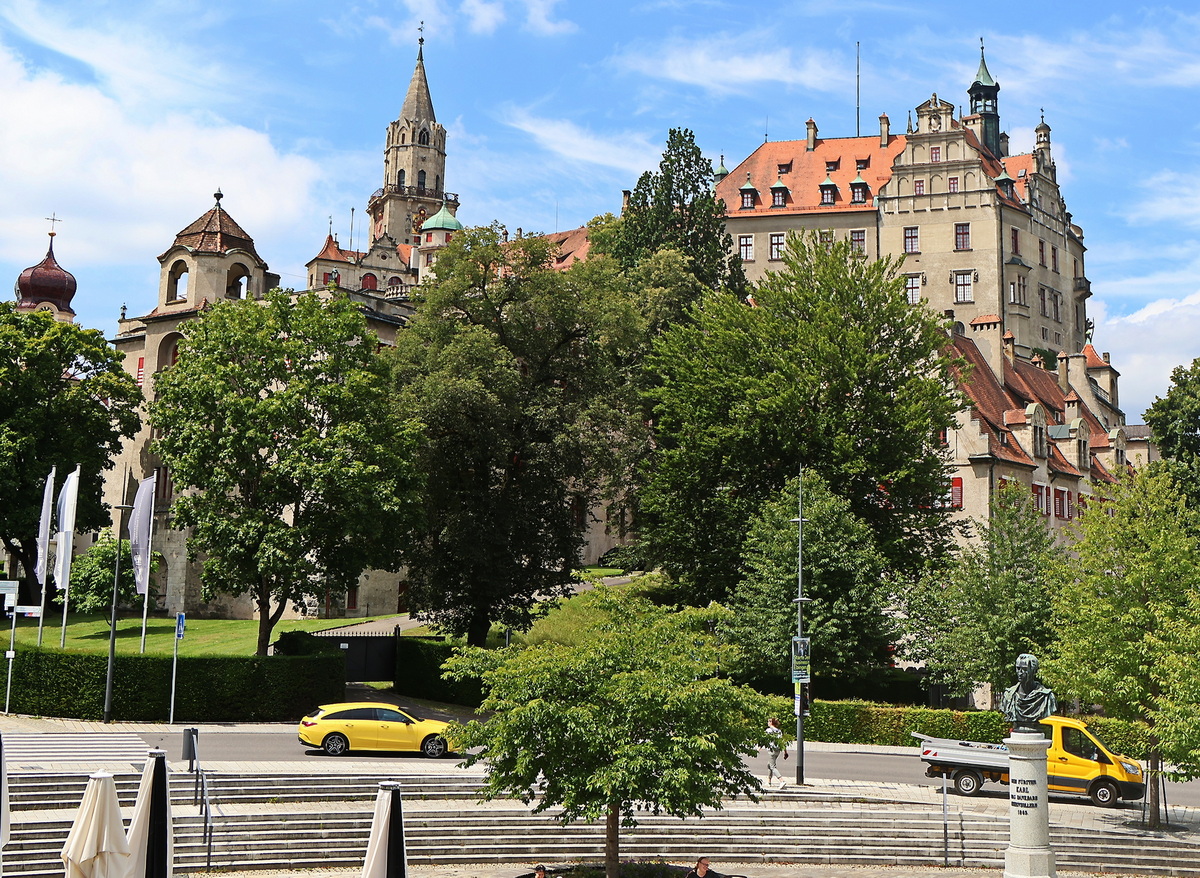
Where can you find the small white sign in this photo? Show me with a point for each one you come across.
(8, 586)
(10, 653)
(10, 601)
(32, 610)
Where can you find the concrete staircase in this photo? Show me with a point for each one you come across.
(296, 822)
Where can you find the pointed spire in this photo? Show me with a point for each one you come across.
(982, 76)
(418, 105)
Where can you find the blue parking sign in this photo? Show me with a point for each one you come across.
(179, 621)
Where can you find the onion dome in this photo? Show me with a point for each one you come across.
(46, 282)
(444, 220)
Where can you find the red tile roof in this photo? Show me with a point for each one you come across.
(806, 171)
(333, 252)
(215, 232)
(573, 245)
(1094, 360)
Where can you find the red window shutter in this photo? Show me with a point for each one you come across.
(141, 372)
(956, 493)
(1058, 503)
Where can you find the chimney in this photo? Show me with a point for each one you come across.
(1010, 344)
(885, 129)
(1064, 381)
(1003, 144)
(812, 134)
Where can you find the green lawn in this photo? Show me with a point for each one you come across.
(89, 633)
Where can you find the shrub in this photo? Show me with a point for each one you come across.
(860, 722)
(419, 672)
(49, 682)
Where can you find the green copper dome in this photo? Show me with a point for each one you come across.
(443, 220)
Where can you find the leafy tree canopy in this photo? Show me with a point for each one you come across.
(843, 574)
(1127, 613)
(65, 401)
(635, 717)
(676, 209)
(827, 366)
(92, 577)
(520, 375)
(293, 473)
(968, 622)
(1174, 421)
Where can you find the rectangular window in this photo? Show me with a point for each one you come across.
(352, 598)
(935, 153)
(1056, 301)
(918, 187)
(912, 289)
(141, 371)
(778, 197)
(962, 236)
(858, 194)
(1060, 503)
(912, 239)
(963, 293)
(1042, 252)
(827, 193)
(826, 237)
(952, 184)
(1022, 290)
(776, 245)
(747, 200)
(858, 241)
(1042, 301)
(746, 247)
(1016, 242)
(1054, 259)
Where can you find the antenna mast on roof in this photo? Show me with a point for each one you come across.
(351, 229)
(857, 90)
(766, 129)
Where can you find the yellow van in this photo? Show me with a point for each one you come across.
(1075, 763)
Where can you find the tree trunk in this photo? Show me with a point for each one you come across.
(478, 628)
(1153, 800)
(267, 617)
(612, 841)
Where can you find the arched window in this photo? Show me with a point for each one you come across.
(168, 351)
(400, 179)
(177, 282)
(402, 138)
(237, 282)
(420, 179)
(370, 282)
(423, 137)
(394, 281)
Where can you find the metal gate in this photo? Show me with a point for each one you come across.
(370, 658)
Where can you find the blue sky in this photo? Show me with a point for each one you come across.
(123, 118)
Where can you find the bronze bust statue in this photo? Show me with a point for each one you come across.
(1029, 701)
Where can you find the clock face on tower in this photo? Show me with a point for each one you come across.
(418, 220)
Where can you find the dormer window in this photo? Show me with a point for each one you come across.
(832, 166)
(785, 168)
(828, 191)
(858, 190)
(749, 194)
(861, 164)
(779, 193)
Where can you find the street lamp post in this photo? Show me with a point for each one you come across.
(801, 659)
(112, 630)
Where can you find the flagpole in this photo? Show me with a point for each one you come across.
(149, 562)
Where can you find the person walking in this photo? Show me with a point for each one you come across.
(774, 748)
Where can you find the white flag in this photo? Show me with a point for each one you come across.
(66, 529)
(139, 533)
(43, 539)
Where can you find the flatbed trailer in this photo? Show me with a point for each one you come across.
(1076, 762)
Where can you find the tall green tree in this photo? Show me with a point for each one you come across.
(1126, 610)
(635, 717)
(65, 401)
(293, 472)
(969, 621)
(675, 209)
(828, 367)
(1174, 421)
(520, 375)
(843, 575)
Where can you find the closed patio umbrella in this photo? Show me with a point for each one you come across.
(151, 834)
(5, 828)
(385, 848)
(96, 845)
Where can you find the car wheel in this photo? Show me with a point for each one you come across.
(336, 745)
(1104, 794)
(435, 747)
(967, 783)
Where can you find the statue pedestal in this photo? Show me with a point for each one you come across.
(1028, 854)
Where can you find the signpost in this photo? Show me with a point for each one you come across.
(180, 621)
(8, 588)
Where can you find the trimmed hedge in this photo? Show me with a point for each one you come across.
(860, 722)
(50, 682)
(419, 663)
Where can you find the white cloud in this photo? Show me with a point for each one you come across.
(631, 153)
(134, 63)
(1174, 198)
(722, 65)
(483, 16)
(538, 18)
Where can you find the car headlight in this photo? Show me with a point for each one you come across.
(1131, 767)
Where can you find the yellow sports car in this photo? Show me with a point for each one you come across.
(363, 725)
